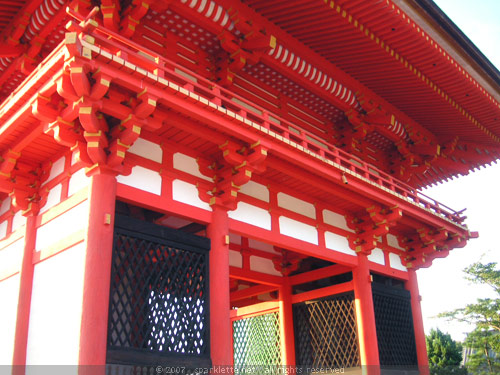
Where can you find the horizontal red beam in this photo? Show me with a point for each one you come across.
(318, 274)
(255, 277)
(323, 292)
(251, 292)
(254, 310)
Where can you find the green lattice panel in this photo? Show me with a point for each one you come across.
(256, 342)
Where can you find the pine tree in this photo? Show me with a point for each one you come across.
(445, 355)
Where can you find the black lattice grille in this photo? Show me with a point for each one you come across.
(326, 334)
(395, 333)
(256, 342)
(159, 292)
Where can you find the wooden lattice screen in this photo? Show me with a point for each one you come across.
(158, 308)
(256, 343)
(325, 333)
(395, 332)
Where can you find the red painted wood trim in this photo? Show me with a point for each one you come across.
(365, 316)
(323, 292)
(318, 274)
(220, 324)
(255, 277)
(94, 324)
(254, 310)
(251, 292)
(418, 324)
(25, 290)
(287, 346)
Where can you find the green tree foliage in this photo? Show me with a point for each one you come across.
(484, 340)
(444, 354)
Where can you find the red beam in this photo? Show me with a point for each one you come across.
(318, 274)
(323, 292)
(254, 310)
(251, 292)
(255, 277)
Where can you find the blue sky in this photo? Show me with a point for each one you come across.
(442, 286)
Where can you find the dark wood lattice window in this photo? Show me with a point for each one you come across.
(158, 309)
(256, 343)
(325, 332)
(394, 321)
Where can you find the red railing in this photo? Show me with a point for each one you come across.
(154, 64)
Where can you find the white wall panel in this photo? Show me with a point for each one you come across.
(335, 219)
(395, 262)
(11, 256)
(296, 205)
(298, 230)
(18, 220)
(9, 294)
(339, 243)
(259, 245)
(78, 181)
(143, 179)
(188, 193)
(263, 265)
(251, 215)
(62, 226)
(235, 259)
(53, 198)
(188, 164)
(5, 206)
(393, 241)
(56, 309)
(147, 149)
(56, 169)
(3, 229)
(377, 256)
(256, 190)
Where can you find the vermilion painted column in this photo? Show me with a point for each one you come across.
(365, 317)
(220, 323)
(24, 300)
(418, 324)
(99, 243)
(286, 325)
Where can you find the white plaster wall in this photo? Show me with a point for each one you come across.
(56, 309)
(143, 179)
(56, 169)
(298, 230)
(395, 262)
(263, 265)
(256, 190)
(377, 256)
(259, 245)
(18, 220)
(62, 226)
(393, 241)
(188, 164)
(235, 259)
(9, 294)
(335, 219)
(5, 206)
(235, 238)
(338, 243)
(3, 229)
(188, 193)
(53, 198)
(11, 256)
(251, 215)
(78, 181)
(147, 149)
(296, 205)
